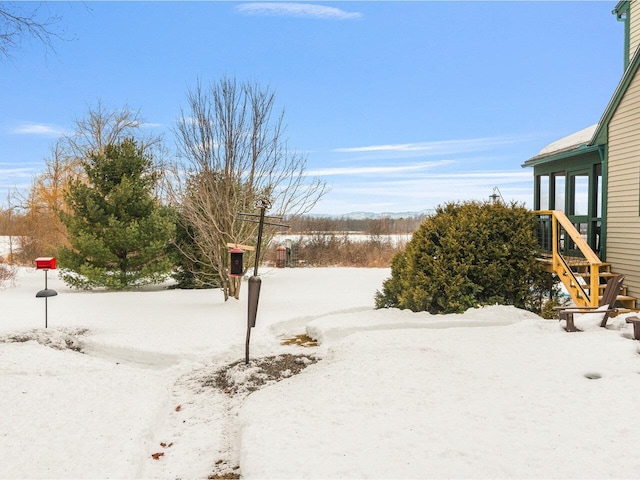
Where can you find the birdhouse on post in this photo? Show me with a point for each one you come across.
(236, 269)
(281, 256)
(46, 264)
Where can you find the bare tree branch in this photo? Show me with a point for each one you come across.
(234, 150)
(102, 126)
(97, 129)
(17, 24)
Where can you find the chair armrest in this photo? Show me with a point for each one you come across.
(588, 310)
(586, 307)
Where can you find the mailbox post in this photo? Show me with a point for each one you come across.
(46, 264)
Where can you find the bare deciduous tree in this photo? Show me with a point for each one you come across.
(18, 22)
(10, 228)
(234, 150)
(46, 201)
(100, 127)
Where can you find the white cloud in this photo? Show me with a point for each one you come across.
(42, 129)
(440, 147)
(151, 125)
(297, 10)
(419, 176)
(508, 176)
(448, 184)
(403, 147)
(14, 180)
(375, 169)
(419, 191)
(16, 172)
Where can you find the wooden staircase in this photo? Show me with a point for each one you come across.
(581, 271)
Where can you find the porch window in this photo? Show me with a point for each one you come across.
(543, 192)
(580, 189)
(598, 198)
(559, 191)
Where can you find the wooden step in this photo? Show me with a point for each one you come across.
(621, 311)
(579, 264)
(602, 286)
(580, 269)
(623, 299)
(626, 302)
(603, 275)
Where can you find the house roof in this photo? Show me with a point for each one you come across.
(578, 142)
(570, 141)
(589, 139)
(622, 8)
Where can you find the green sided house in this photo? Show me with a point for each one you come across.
(587, 188)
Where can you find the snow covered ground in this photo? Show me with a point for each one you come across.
(7, 244)
(493, 393)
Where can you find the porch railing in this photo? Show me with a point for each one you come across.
(568, 255)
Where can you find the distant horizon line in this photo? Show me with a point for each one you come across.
(356, 215)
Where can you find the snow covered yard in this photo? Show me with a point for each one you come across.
(7, 244)
(493, 393)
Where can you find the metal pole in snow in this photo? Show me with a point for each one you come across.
(254, 287)
(45, 264)
(46, 306)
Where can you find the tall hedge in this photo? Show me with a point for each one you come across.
(466, 255)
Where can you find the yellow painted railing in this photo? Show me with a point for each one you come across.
(556, 233)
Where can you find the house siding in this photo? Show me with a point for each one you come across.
(623, 205)
(634, 27)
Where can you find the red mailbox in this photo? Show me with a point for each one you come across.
(236, 263)
(46, 263)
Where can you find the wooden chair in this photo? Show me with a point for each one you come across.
(605, 307)
(635, 320)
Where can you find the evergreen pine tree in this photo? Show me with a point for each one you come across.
(118, 230)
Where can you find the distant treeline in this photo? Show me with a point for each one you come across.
(370, 226)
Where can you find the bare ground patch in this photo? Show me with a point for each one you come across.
(302, 340)
(239, 377)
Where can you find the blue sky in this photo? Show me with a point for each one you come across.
(399, 106)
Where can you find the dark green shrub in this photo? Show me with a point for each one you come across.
(191, 269)
(466, 255)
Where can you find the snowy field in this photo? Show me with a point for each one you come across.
(493, 393)
(7, 244)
